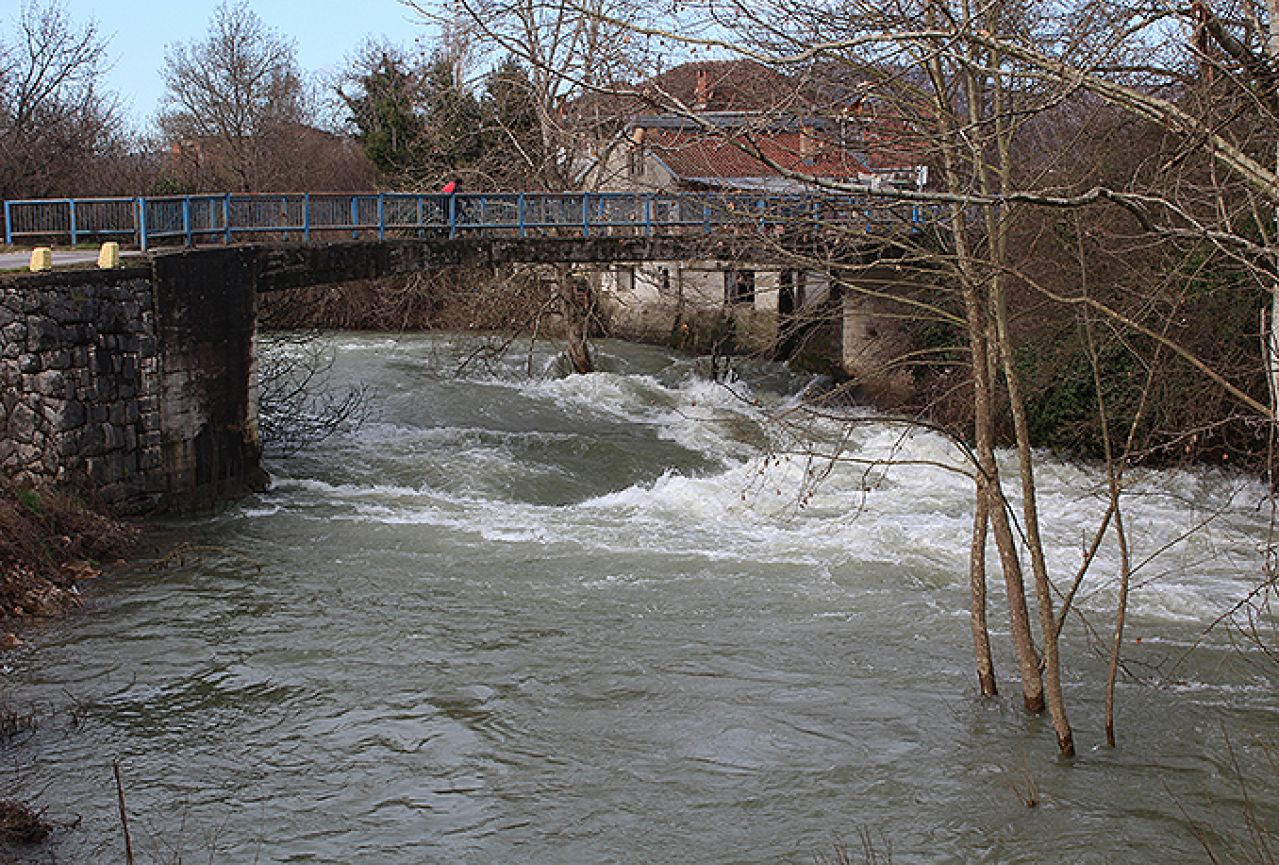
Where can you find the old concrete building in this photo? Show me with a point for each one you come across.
(744, 131)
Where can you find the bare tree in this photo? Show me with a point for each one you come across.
(54, 119)
(567, 52)
(232, 100)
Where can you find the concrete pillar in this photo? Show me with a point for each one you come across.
(206, 314)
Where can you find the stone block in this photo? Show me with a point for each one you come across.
(51, 383)
(41, 259)
(112, 437)
(14, 333)
(43, 334)
(63, 415)
(22, 424)
(109, 255)
(57, 359)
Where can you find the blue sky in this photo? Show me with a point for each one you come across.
(137, 32)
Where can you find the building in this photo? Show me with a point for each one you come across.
(740, 129)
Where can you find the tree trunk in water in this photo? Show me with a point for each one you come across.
(977, 588)
(952, 140)
(578, 305)
(1034, 543)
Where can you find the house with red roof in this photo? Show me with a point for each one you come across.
(739, 127)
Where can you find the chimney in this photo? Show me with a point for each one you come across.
(702, 92)
(807, 141)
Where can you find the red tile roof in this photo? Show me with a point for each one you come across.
(723, 85)
(691, 154)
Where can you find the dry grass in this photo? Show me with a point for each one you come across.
(48, 542)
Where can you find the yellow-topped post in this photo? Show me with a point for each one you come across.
(109, 255)
(41, 259)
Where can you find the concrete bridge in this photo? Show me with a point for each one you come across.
(140, 382)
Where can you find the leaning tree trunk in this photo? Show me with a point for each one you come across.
(577, 304)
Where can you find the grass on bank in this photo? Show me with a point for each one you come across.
(50, 540)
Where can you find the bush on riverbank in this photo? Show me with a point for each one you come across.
(20, 824)
(48, 542)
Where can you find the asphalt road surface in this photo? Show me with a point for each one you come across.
(61, 257)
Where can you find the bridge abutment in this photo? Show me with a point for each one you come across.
(135, 384)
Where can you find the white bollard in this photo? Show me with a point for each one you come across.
(109, 255)
(41, 259)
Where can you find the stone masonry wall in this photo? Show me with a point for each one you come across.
(79, 389)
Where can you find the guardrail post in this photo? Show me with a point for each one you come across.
(586, 214)
(355, 217)
(452, 215)
(648, 215)
(226, 219)
(142, 223)
(71, 211)
(186, 220)
(706, 216)
(381, 217)
(421, 227)
(520, 216)
(8, 223)
(306, 217)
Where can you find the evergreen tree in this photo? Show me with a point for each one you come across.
(384, 98)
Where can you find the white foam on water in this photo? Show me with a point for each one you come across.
(837, 492)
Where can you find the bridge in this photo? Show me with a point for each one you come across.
(226, 218)
(141, 380)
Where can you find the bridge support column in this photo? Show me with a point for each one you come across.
(206, 314)
(874, 347)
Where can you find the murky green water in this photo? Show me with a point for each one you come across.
(584, 621)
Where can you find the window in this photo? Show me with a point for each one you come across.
(739, 286)
(635, 163)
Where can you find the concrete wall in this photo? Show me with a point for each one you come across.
(875, 347)
(651, 301)
(206, 316)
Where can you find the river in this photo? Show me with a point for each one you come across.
(610, 619)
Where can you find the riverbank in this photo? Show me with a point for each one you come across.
(50, 541)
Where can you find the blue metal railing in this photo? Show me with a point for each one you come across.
(222, 218)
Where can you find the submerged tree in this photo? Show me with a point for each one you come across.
(1008, 104)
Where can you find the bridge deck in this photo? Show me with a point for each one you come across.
(192, 219)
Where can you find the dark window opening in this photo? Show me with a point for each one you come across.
(786, 292)
(739, 286)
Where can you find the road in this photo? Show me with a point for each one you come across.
(61, 258)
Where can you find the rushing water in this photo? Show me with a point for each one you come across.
(591, 620)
